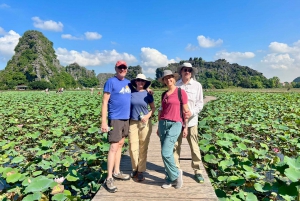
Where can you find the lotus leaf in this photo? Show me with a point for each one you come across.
(223, 143)
(251, 197)
(34, 196)
(210, 158)
(18, 159)
(226, 163)
(59, 197)
(40, 184)
(13, 177)
(69, 177)
(293, 174)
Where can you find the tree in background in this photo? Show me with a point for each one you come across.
(89, 82)
(41, 85)
(9, 80)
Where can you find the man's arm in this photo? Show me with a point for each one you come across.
(104, 125)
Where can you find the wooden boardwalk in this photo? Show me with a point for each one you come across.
(150, 189)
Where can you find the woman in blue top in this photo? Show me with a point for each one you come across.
(140, 126)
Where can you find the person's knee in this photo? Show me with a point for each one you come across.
(166, 155)
(113, 147)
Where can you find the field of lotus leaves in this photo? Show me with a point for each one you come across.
(251, 147)
(50, 148)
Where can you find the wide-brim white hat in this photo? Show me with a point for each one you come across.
(187, 65)
(166, 73)
(142, 77)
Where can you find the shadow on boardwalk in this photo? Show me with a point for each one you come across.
(150, 189)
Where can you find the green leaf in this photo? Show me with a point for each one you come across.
(71, 178)
(18, 159)
(259, 187)
(40, 184)
(34, 196)
(14, 177)
(210, 158)
(222, 178)
(242, 146)
(55, 159)
(93, 130)
(224, 143)
(251, 197)
(59, 197)
(292, 174)
(36, 173)
(226, 163)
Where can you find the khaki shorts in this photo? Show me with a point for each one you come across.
(120, 129)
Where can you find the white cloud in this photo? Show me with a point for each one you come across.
(276, 61)
(150, 71)
(47, 25)
(84, 58)
(283, 61)
(297, 43)
(4, 5)
(113, 43)
(2, 31)
(70, 37)
(92, 35)
(233, 57)
(7, 44)
(283, 56)
(279, 47)
(207, 42)
(153, 58)
(191, 47)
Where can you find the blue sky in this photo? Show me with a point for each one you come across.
(261, 34)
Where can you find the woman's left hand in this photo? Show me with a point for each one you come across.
(185, 132)
(145, 119)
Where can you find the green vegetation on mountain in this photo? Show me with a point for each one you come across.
(86, 78)
(221, 74)
(36, 65)
(296, 79)
(131, 74)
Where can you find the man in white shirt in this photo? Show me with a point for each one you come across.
(195, 103)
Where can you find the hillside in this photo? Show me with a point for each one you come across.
(221, 74)
(35, 57)
(36, 65)
(131, 74)
(296, 79)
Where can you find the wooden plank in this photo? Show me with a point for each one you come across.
(150, 189)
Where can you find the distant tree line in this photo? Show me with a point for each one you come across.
(221, 74)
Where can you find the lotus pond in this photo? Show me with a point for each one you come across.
(44, 137)
(51, 149)
(251, 147)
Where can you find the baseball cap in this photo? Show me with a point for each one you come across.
(120, 63)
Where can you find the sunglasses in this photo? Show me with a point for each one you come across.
(188, 70)
(140, 80)
(122, 67)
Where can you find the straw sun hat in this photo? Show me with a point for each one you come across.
(166, 73)
(142, 77)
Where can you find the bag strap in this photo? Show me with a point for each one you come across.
(163, 95)
(181, 104)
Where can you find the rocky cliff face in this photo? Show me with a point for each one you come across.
(102, 77)
(131, 74)
(78, 72)
(35, 57)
